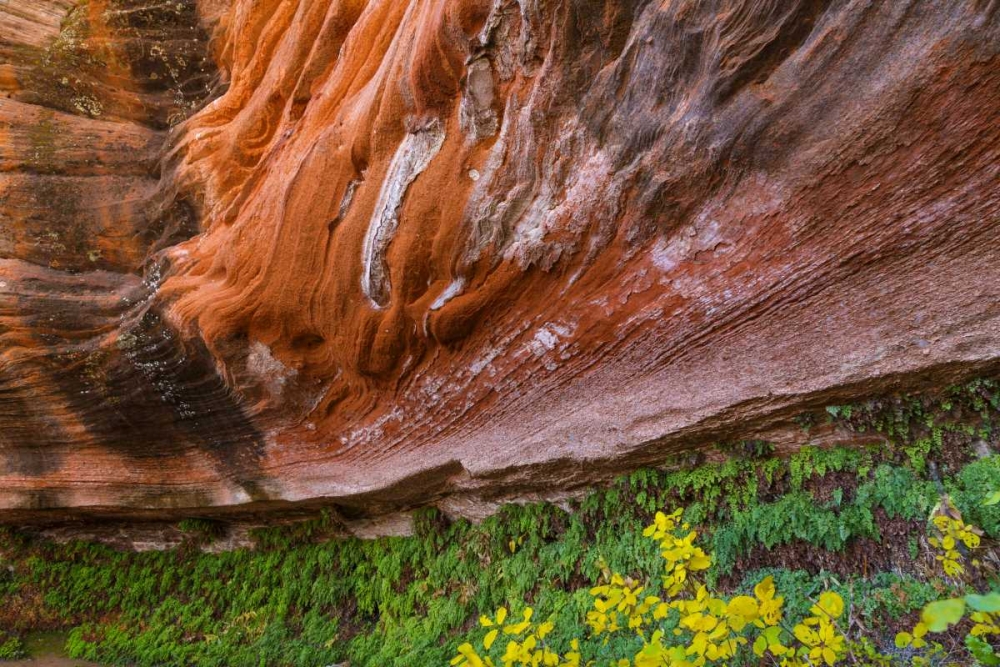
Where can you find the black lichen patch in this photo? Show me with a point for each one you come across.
(166, 48)
(35, 461)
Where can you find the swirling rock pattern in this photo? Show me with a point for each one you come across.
(414, 250)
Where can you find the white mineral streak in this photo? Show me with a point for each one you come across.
(412, 157)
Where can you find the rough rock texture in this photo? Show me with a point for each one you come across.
(467, 248)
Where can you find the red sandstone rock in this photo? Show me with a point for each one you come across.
(472, 247)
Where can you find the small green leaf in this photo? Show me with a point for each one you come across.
(989, 603)
(992, 499)
(944, 613)
(773, 634)
(981, 651)
(903, 639)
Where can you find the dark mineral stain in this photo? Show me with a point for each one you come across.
(760, 65)
(88, 362)
(44, 499)
(28, 430)
(157, 396)
(34, 461)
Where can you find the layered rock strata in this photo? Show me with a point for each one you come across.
(414, 251)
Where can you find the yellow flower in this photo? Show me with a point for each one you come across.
(985, 624)
(830, 604)
(572, 658)
(952, 530)
(830, 646)
(699, 622)
(501, 616)
(519, 628)
(662, 524)
(467, 656)
(512, 654)
(769, 605)
(741, 610)
(824, 643)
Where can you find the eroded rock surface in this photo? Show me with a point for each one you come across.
(419, 249)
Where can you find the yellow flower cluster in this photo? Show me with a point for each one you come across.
(951, 532)
(525, 647)
(681, 555)
(711, 622)
(619, 604)
(716, 626)
(985, 624)
(821, 641)
(937, 616)
(709, 629)
(688, 626)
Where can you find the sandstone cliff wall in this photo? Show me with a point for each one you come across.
(392, 251)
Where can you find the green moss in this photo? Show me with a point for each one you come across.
(970, 487)
(918, 424)
(11, 648)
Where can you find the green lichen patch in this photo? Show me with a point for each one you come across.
(141, 60)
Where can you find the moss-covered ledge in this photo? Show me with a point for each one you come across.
(851, 519)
